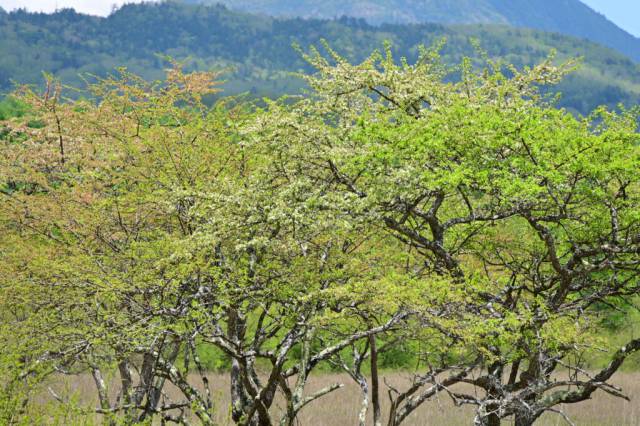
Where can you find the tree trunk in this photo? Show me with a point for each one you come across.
(364, 405)
(493, 420)
(375, 383)
(490, 419)
(239, 401)
(524, 420)
(127, 386)
(495, 374)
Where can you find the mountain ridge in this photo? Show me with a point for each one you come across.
(570, 17)
(258, 48)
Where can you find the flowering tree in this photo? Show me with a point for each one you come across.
(527, 210)
(141, 229)
(455, 212)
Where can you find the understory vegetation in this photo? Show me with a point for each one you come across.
(464, 231)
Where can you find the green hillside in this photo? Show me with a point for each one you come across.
(257, 50)
(570, 17)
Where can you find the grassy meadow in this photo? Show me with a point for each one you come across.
(341, 407)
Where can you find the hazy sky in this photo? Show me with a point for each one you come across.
(95, 7)
(625, 13)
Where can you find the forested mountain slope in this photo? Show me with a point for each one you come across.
(258, 51)
(571, 17)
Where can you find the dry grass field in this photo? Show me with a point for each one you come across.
(341, 407)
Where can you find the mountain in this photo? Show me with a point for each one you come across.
(257, 50)
(570, 17)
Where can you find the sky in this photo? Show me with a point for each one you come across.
(625, 13)
(94, 7)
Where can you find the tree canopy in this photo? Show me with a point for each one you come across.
(469, 220)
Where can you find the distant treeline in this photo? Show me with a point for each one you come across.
(257, 51)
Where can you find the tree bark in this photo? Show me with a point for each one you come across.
(524, 420)
(495, 374)
(493, 420)
(375, 383)
(239, 400)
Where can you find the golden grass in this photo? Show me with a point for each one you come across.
(341, 407)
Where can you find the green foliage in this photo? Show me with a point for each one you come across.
(154, 237)
(213, 359)
(530, 211)
(257, 52)
(11, 107)
(403, 212)
(546, 15)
